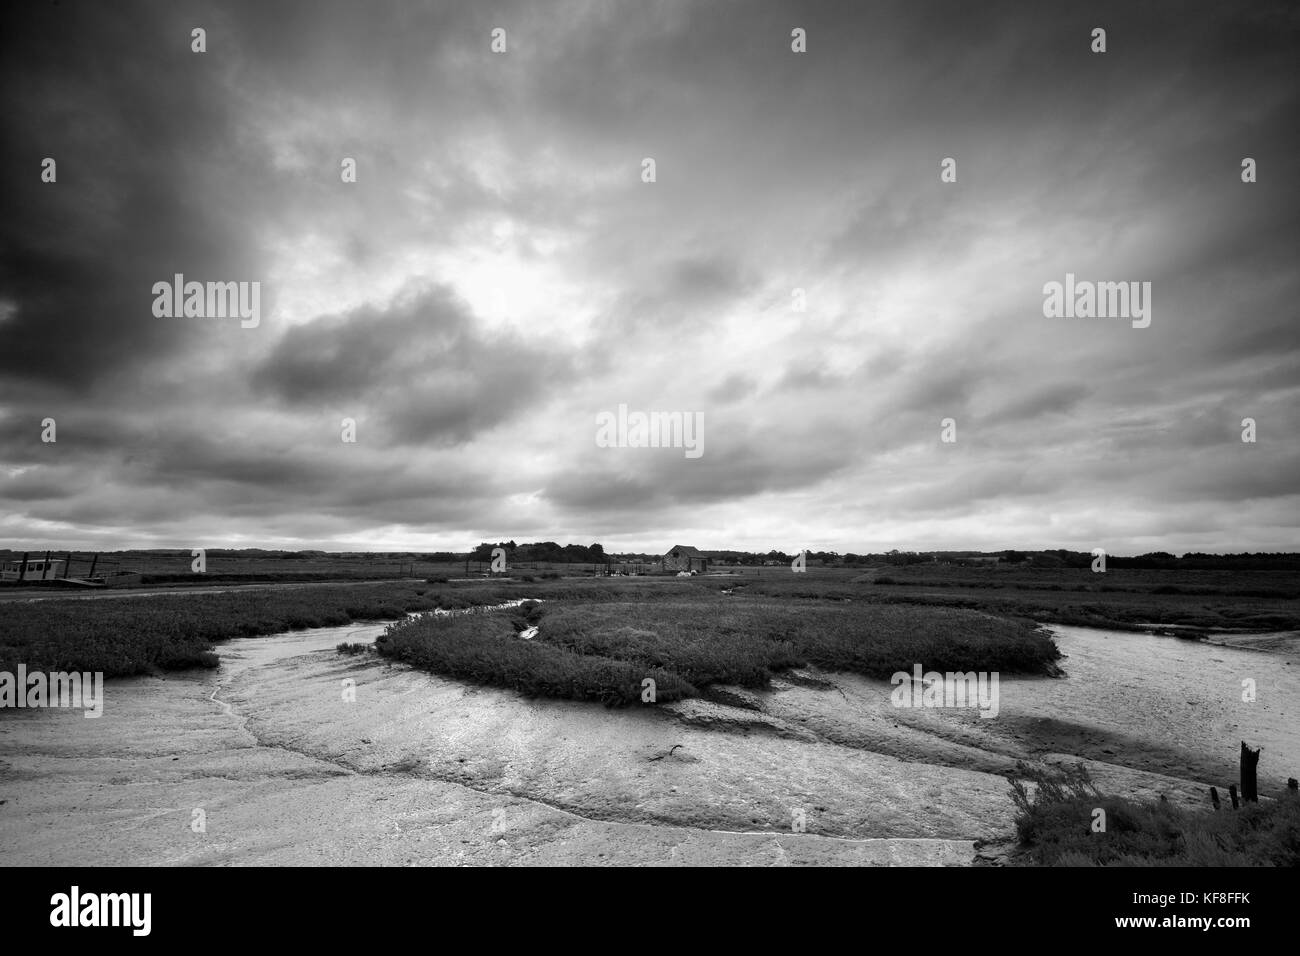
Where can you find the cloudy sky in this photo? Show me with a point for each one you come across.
(500, 273)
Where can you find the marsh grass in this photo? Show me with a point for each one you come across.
(486, 649)
(125, 635)
(687, 626)
(138, 635)
(1054, 824)
(1129, 600)
(602, 651)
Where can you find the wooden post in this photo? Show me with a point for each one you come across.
(1214, 797)
(1232, 792)
(45, 573)
(93, 561)
(22, 571)
(67, 564)
(1249, 784)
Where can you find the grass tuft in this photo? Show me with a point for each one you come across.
(1054, 822)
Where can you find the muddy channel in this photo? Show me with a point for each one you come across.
(290, 753)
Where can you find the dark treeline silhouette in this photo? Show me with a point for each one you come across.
(1059, 558)
(552, 552)
(545, 551)
(541, 551)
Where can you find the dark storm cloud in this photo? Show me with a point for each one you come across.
(29, 487)
(145, 187)
(419, 367)
(181, 479)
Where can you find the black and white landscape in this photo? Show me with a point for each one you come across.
(664, 433)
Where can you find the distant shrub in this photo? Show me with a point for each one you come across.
(352, 649)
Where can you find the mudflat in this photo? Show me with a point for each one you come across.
(266, 760)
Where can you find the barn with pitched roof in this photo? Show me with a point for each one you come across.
(683, 558)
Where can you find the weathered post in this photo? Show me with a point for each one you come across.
(93, 561)
(22, 569)
(1214, 797)
(1232, 792)
(67, 564)
(1249, 784)
(45, 571)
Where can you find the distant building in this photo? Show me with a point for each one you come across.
(682, 558)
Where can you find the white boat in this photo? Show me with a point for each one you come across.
(37, 569)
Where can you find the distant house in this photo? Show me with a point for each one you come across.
(682, 558)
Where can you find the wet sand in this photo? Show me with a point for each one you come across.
(425, 771)
(287, 772)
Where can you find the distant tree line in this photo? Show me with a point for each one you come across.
(550, 551)
(1058, 558)
(542, 551)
